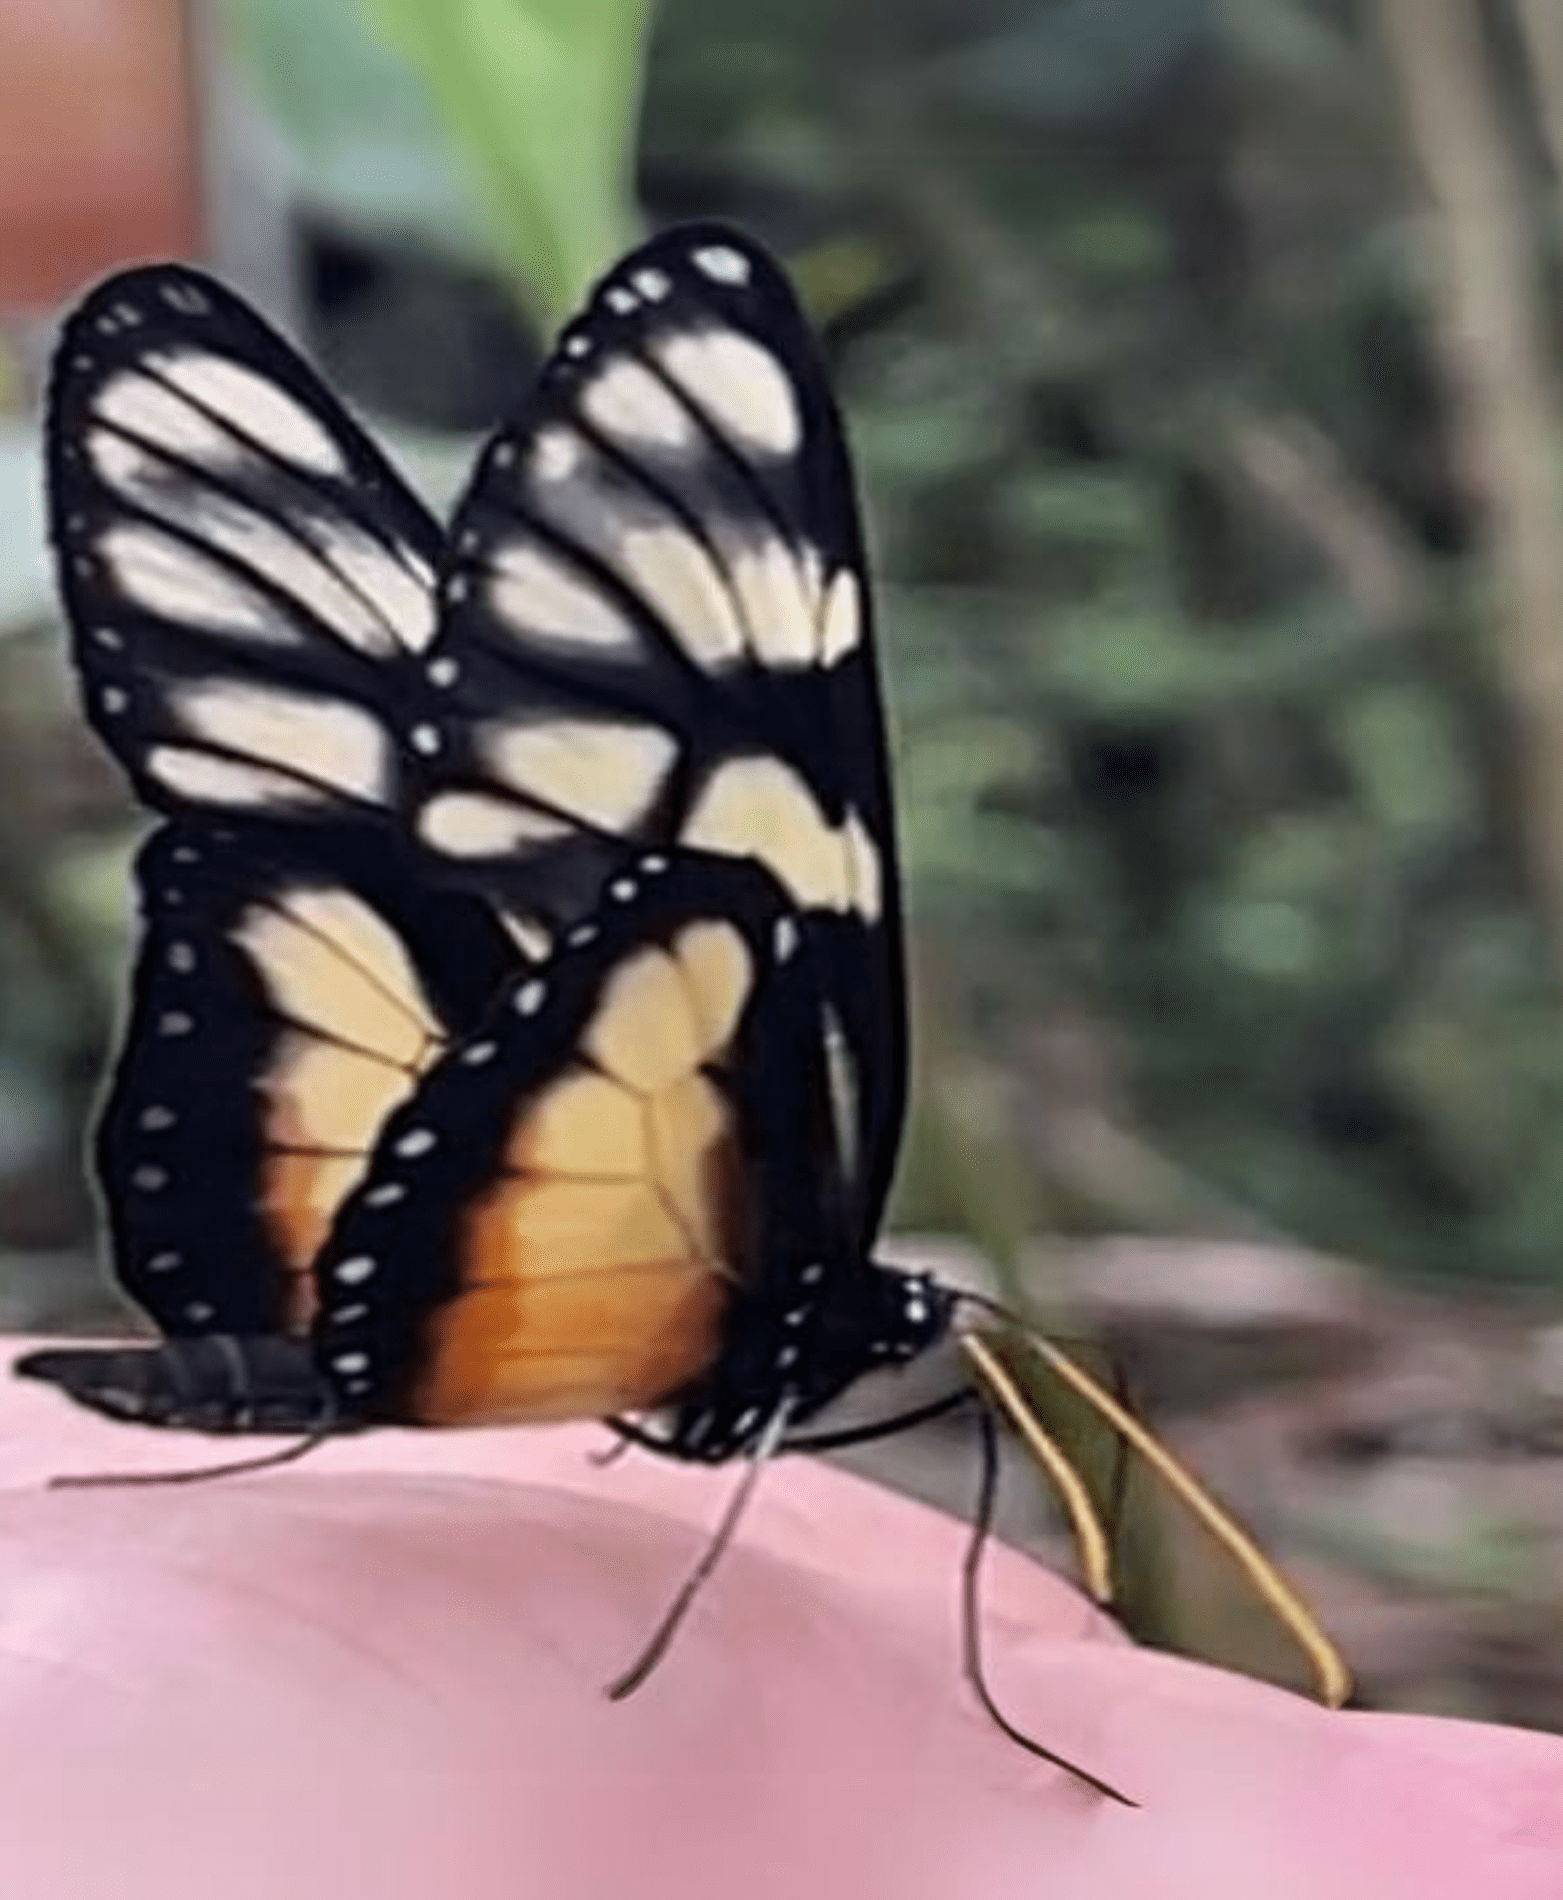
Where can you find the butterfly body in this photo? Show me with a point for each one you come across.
(517, 1026)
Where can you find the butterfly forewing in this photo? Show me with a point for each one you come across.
(655, 632)
(284, 1002)
(246, 578)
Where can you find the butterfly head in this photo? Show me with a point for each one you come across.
(806, 1352)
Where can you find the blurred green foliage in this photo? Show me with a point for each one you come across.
(1210, 828)
(540, 98)
(1171, 758)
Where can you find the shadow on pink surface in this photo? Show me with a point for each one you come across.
(382, 1673)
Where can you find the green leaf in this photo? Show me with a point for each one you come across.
(358, 133)
(542, 98)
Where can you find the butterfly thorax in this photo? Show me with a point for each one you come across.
(807, 1351)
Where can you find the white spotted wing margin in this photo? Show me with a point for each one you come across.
(621, 1194)
(247, 580)
(287, 994)
(655, 632)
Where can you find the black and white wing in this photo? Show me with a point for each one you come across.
(248, 582)
(655, 632)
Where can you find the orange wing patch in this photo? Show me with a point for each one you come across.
(362, 1034)
(594, 1273)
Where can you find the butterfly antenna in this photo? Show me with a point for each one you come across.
(1116, 1513)
(198, 1474)
(971, 1618)
(1090, 1538)
(1332, 1676)
(767, 1446)
(606, 1455)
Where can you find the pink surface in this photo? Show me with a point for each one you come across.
(380, 1674)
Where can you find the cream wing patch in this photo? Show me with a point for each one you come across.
(203, 779)
(759, 807)
(607, 772)
(585, 1124)
(138, 404)
(223, 450)
(330, 963)
(739, 384)
(631, 405)
(327, 742)
(474, 825)
(165, 575)
(665, 1013)
(266, 413)
(540, 590)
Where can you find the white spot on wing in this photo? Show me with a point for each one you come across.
(722, 264)
(739, 384)
(653, 285)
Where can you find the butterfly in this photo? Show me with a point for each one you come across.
(518, 1020)
(517, 1029)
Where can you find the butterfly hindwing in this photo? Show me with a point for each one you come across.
(655, 632)
(283, 1003)
(620, 1181)
(246, 578)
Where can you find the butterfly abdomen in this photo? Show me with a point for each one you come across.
(216, 1383)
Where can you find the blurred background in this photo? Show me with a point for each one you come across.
(1202, 359)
